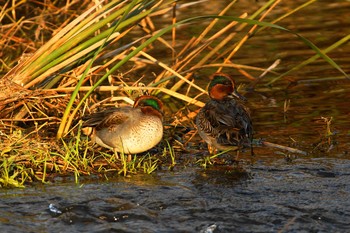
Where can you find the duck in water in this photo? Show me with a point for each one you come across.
(224, 122)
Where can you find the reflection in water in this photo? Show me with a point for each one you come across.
(221, 175)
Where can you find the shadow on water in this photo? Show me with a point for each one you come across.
(267, 194)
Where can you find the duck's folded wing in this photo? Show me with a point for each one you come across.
(231, 124)
(106, 118)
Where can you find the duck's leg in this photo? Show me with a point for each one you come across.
(115, 153)
(237, 156)
(238, 147)
(251, 148)
(251, 145)
(129, 157)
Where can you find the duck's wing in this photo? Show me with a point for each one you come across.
(107, 118)
(230, 122)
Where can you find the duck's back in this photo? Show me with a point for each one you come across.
(225, 123)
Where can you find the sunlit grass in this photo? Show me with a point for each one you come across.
(148, 164)
(208, 160)
(11, 174)
(21, 164)
(171, 153)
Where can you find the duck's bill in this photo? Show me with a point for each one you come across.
(238, 96)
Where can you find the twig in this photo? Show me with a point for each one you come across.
(34, 119)
(287, 148)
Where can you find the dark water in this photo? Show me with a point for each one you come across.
(304, 196)
(268, 194)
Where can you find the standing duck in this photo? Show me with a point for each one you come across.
(128, 130)
(224, 122)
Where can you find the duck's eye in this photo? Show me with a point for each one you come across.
(228, 83)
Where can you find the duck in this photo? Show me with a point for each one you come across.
(128, 130)
(224, 122)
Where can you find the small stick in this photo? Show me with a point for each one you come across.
(274, 145)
